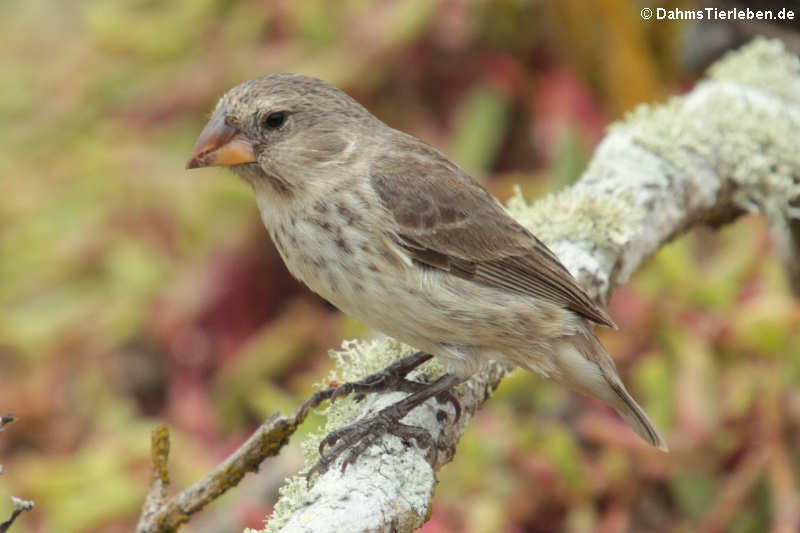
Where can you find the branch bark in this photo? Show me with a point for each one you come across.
(161, 514)
(730, 146)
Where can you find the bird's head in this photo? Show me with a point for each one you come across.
(275, 130)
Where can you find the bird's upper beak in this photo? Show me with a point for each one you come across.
(220, 145)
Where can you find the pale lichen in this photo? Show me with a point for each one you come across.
(764, 64)
(292, 495)
(353, 361)
(722, 123)
(575, 215)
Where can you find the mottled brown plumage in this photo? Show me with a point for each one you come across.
(393, 233)
(448, 221)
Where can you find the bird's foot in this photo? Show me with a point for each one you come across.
(391, 378)
(351, 441)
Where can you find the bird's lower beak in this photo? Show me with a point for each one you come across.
(220, 145)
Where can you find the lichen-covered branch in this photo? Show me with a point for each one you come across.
(165, 515)
(729, 146)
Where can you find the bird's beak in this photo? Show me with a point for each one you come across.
(220, 145)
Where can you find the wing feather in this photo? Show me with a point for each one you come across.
(446, 220)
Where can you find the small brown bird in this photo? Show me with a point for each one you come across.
(391, 232)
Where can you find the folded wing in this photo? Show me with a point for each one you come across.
(446, 220)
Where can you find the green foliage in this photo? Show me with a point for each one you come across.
(694, 492)
(163, 30)
(483, 113)
(571, 157)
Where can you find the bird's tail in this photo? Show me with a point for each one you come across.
(586, 366)
(636, 418)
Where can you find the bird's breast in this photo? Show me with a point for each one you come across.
(336, 248)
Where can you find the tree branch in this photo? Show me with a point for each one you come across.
(730, 146)
(163, 515)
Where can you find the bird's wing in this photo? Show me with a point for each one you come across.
(448, 221)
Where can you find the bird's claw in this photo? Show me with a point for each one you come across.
(393, 377)
(448, 397)
(353, 440)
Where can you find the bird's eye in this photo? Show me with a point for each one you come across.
(275, 120)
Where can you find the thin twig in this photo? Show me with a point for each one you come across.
(163, 515)
(20, 506)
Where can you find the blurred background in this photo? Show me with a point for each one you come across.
(133, 292)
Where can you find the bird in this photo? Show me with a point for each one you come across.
(391, 232)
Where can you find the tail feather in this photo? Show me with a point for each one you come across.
(586, 366)
(636, 418)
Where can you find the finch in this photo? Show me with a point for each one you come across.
(391, 232)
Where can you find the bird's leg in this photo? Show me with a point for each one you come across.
(352, 440)
(391, 378)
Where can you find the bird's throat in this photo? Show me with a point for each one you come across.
(265, 183)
